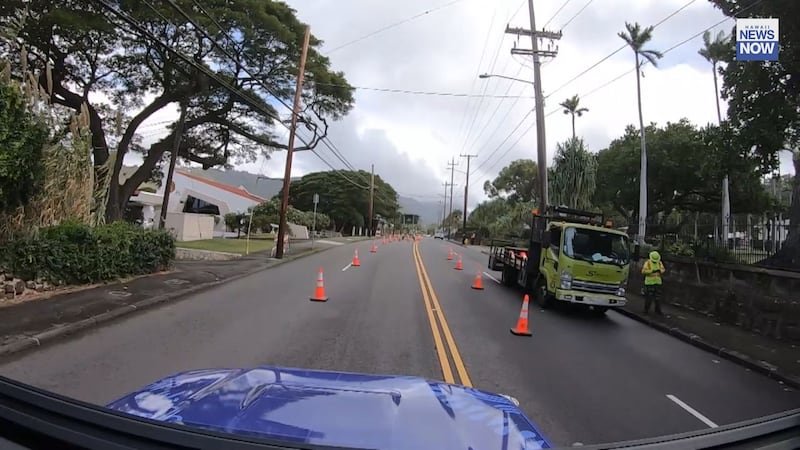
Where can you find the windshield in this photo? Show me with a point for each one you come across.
(596, 246)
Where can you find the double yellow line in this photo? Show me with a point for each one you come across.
(439, 327)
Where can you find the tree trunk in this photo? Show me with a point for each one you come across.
(788, 257)
(573, 126)
(643, 165)
(726, 193)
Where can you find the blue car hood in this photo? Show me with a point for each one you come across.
(337, 409)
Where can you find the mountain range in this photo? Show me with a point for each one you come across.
(429, 212)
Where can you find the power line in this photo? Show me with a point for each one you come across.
(412, 92)
(394, 25)
(576, 15)
(607, 57)
(618, 77)
(488, 158)
(555, 14)
(477, 71)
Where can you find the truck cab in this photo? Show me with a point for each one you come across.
(573, 257)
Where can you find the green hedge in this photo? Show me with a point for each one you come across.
(78, 254)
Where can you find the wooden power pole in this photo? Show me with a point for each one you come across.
(287, 176)
(537, 53)
(466, 192)
(371, 200)
(452, 166)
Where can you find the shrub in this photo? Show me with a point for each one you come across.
(73, 253)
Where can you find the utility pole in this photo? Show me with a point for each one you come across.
(466, 190)
(173, 159)
(452, 166)
(444, 204)
(371, 199)
(536, 53)
(287, 176)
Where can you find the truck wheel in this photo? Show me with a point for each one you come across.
(544, 299)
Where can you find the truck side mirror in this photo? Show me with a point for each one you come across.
(546, 238)
(636, 252)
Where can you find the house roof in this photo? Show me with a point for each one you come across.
(225, 187)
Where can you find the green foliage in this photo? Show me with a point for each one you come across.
(92, 51)
(516, 182)
(685, 169)
(342, 198)
(572, 177)
(763, 105)
(74, 253)
(22, 140)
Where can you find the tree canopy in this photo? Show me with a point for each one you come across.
(686, 166)
(227, 61)
(343, 198)
(517, 182)
(764, 103)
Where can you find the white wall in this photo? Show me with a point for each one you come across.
(190, 227)
(184, 186)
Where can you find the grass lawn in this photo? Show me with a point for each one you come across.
(229, 245)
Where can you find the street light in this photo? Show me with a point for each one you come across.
(491, 75)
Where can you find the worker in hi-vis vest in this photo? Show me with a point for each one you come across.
(652, 270)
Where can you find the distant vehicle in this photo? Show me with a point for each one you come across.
(439, 235)
(572, 257)
(306, 406)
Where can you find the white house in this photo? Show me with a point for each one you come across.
(198, 205)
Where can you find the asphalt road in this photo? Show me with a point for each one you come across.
(579, 379)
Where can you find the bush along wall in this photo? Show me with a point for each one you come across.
(72, 253)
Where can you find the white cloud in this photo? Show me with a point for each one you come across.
(410, 138)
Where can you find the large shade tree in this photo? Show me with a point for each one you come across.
(226, 60)
(516, 182)
(687, 165)
(764, 104)
(344, 197)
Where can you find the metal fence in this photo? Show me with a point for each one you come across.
(747, 238)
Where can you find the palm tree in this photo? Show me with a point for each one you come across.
(636, 38)
(715, 51)
(572, 106)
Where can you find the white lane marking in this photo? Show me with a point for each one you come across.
(692, 411)
(347, 267)
(493, 278)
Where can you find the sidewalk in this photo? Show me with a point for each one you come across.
(779, 360)
(27, 324)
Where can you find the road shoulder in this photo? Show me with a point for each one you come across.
(31, 324)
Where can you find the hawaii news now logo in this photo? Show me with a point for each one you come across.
(757, 40)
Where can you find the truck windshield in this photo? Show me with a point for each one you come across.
(596, 246)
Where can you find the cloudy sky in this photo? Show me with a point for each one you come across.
(442, 109)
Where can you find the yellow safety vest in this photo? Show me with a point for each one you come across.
(651, 274)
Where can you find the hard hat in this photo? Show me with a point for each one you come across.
(655, 256)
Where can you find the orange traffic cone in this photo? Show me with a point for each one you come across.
(450, 254)
(374, 248)
(478, 284)
(459, 266)
(522, 323)
(384, 241)
(319, 292)
(355, 262)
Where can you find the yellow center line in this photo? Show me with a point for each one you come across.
(451, 343)
(447, 373)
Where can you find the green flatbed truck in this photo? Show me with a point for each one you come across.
(573, 257)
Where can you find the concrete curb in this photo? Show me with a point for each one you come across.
(730, 355)
(25, 342)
